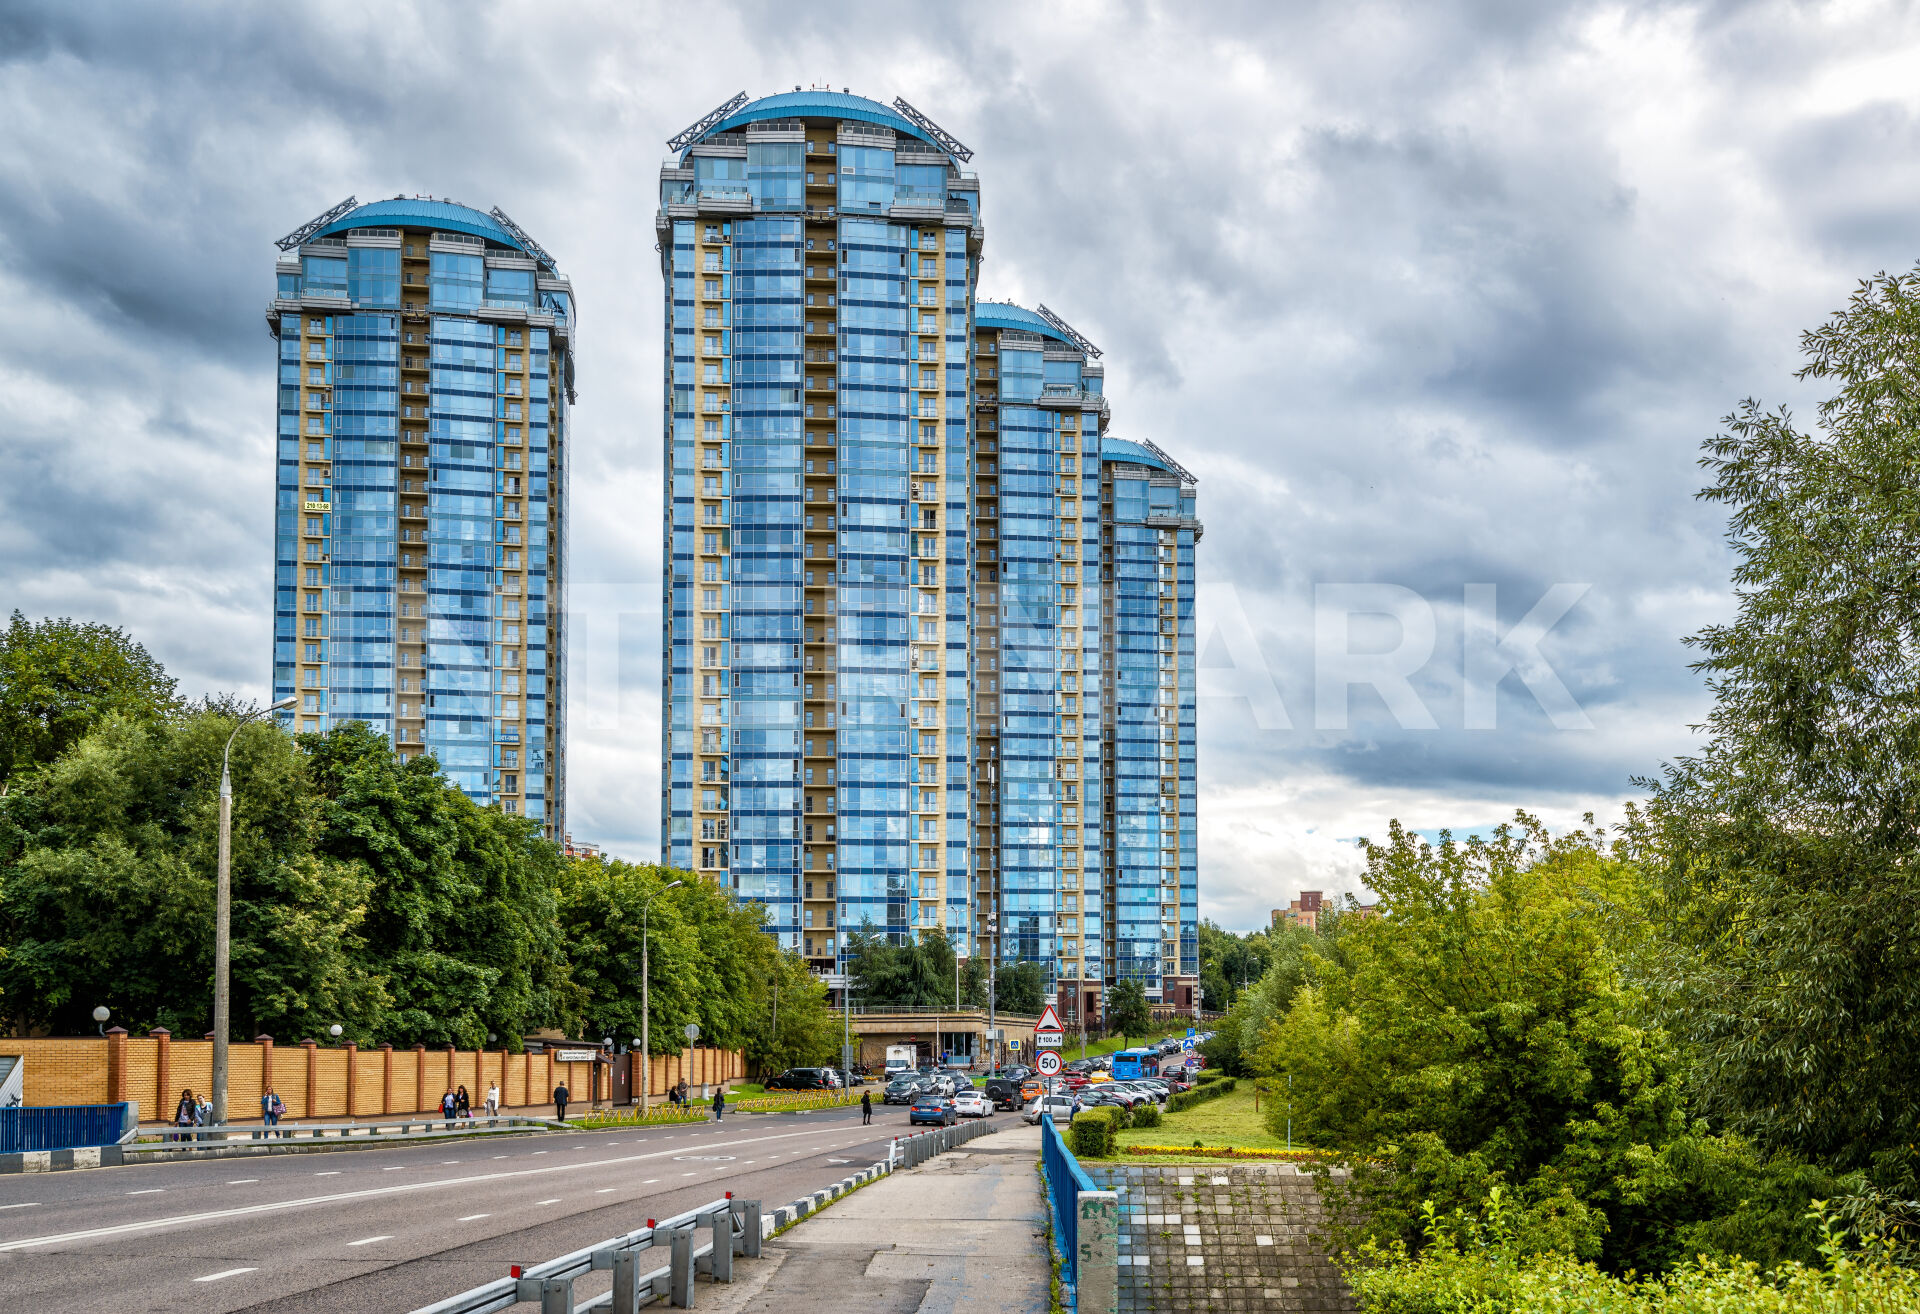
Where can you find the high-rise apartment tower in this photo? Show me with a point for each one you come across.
(819, 251)
(426, 368)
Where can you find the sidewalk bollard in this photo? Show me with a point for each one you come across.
(750, 1240)
(680, 1291)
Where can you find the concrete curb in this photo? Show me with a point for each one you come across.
(56, 1161)
(779, 1220)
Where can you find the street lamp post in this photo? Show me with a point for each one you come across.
(993, 984)
(646, 1000)
(223, 915)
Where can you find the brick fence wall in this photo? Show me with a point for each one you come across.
(323, 1082)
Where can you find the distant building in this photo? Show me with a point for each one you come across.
(574, 848)
(1305, 910)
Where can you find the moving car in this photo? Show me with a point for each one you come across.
(1004, 1092)
(972, 1104)
(935, 1109)
(1058, 1107)
(901, 1090)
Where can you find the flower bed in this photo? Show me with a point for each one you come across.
(1224, 1152)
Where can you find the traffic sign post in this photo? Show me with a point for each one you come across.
(1049, 1063)
(1048, 1035)
(1187, 1044)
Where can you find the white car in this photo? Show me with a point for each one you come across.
(1059, 1107)
(972, 1104)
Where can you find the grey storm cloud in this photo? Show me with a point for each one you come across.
(1426, 295)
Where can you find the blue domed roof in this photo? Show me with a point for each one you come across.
(423, 212)
(1006, 315)
(820, 104)
(1119, 449)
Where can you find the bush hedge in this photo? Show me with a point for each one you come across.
(1186, 1099)
(1090, 1136)
(1147, 1115)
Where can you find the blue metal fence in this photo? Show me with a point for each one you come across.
(61, 1127)
(1065, 1180)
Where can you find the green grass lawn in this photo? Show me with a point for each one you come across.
(1229, 1120)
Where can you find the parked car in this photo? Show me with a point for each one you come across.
(806, 1079)
(1059, 1107)
(901, 1090)
(972, 1104)
(935, 1109)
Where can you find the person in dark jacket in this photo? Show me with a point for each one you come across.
(462, 1104)
(560, 1097)
(866, 1107)
(719, 1102)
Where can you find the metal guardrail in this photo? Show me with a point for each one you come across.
(912, 1151)
(1065, 1180)
(232, 1135)
(734, 1227)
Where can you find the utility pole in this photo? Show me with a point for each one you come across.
(646, 1000)
(993, 982)
(223, 917)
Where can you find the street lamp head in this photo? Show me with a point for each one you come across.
(284, 704)
(671, 884)
(334, 1030)
(102, 1013)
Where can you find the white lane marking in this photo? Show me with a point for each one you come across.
(396, 1168)
(606, 1190)
(331, 1172)
(151, 1190)
(449, 1161)
(225, 1273)
(538, 1203)
(24, 1204)
(471, 1217)
(242, 1181)
(238, 1211)
(539, 1151)
(499, 1156)
(689, 1174)
(369, 1240)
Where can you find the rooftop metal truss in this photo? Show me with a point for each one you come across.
(947, 141)
(685, 138)
(314, 225)
(1073, 334)
(533, 248)
(1171, 464)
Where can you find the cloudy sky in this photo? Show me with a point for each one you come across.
(1428, 296)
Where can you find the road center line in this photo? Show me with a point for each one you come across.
(369, 1240)
(225, 1273)
(24, 1204)
(151, 1190)
(472, 1217)
(181, 1220)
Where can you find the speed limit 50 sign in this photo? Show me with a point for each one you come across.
(1049, 1063)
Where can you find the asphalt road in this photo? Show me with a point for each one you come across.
(392, 1229)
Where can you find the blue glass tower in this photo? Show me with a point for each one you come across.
(426, 368)
(819, 252)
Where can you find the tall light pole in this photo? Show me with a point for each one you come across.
(646, 1000)
(223, 915)
(993, 985)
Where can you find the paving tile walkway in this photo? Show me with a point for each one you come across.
(965, 1231)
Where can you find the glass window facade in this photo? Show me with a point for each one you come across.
(420, 497)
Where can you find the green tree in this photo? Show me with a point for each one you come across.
(1020, 988)
(913, 972)
(1480, 1035)
(1127, 1012)
(60, 678)
(461, 920)
(1229, 963)
(1787, 848)
(106, 888)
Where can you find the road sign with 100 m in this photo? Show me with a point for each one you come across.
(1049, 1064)
(1047, 1039)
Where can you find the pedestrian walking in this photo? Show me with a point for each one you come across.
(719, 1103)
(866, 1107)
(462, 1104)
(493, 1100)
(185, 1113)
(560, 1097)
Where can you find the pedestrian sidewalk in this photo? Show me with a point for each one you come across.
(964, 1231)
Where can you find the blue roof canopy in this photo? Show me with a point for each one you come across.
(821, 104)
(404, 211)
(1119, 449)
(1006, 315)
